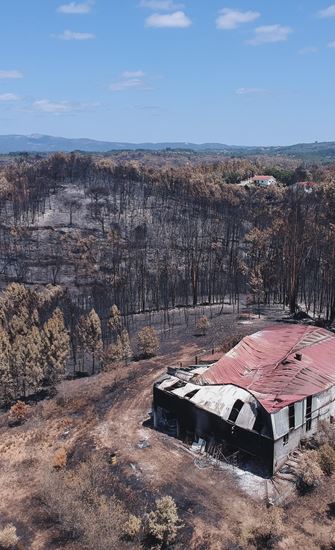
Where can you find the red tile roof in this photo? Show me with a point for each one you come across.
(266, 365)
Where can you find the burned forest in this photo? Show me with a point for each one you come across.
(135, 284)
(170, 233)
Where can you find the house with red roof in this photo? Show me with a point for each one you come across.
(262, 397)
(306, 186)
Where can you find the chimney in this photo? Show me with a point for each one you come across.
(298, 356)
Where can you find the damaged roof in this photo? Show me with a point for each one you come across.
(278, 365)
(219, 400)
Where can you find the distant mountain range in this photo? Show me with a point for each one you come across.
(37, 143)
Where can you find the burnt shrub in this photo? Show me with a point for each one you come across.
(266, 533)
(60, 459)
(309, 472)
(18, 413)
(327, 459)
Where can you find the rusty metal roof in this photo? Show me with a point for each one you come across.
(268, 365)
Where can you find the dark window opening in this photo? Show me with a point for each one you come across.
(191, 394)
(291, 417)
(236, 410)
(285, 439)
(167, 421)
(308, 413)
(176, 385)
(259, 423)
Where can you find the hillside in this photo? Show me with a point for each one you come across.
(112, 269)
(37, 143)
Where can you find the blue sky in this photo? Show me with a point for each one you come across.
(247, 72)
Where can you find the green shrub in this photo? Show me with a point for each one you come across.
(132, 527)
(203, 325)
(163, 523)
(148, 342)
(8, 537)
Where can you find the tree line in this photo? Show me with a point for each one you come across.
(37, 341)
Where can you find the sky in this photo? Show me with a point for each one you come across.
(241, 72)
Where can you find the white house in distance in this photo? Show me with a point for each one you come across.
(305, 186)
(262, 181)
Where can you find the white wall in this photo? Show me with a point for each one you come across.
(323, 407)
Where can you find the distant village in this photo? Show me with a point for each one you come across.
(268, 181)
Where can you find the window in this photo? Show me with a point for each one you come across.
(236, 410)
(308, 413)
(191, 394)
(291, 417)
(285, 439)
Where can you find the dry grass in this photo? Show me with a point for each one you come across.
(76, 503)
(266, 532)
(102, 417)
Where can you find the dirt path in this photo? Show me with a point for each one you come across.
(105, 414)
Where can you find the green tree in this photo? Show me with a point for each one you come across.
(127, 351)
(7, 388)
(147, 342)
(90, 334)
(27, 362)
(56, 348)
(114, 320)
(256, 285)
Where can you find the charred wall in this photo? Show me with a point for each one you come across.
(207, 425)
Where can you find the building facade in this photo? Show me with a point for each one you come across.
(263, 397)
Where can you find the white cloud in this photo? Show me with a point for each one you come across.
(178, 20)
(130, 80)
(328, 12)
(270, 34)
(331, 44)
(251, 91)
(61, 107)
(75, 8)
(53, 107)
(70, 35)
(308, 50)
(231, 19)
(9, 97)
(10, 75)
(164, 5)
(133, 74)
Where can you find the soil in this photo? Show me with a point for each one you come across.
(108, 414)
